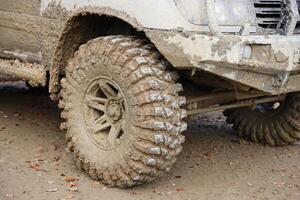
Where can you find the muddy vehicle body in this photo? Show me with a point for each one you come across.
(127, 74)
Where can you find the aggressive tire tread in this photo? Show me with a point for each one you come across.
(153, 90)
(280, 128)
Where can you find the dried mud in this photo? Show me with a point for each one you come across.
(214, 165)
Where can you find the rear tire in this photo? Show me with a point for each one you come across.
(277, 128)
(151, 137)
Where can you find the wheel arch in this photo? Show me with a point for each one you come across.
(87, 24)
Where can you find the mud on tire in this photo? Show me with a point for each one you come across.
(153, 138)
(277, 128)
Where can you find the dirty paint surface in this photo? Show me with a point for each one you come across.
(270, 57)
(144, 14)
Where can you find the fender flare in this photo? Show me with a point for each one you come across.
(59, 54)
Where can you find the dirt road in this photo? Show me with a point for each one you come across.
(215, 164)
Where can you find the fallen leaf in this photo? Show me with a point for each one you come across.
(72, 184)
(35, 167)
(71, 179)
(179, 189)
(209, 155)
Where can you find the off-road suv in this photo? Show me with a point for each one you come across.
(127, 73)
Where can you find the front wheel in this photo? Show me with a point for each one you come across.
(122, 111)
(275, 124)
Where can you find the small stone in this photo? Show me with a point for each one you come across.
(151, 162)
(52, 190)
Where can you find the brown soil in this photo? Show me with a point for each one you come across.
(214, 165)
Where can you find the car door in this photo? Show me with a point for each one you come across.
(19, 29)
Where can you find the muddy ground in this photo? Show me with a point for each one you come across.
(215, 164)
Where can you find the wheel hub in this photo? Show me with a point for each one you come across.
(113, 110)
(104, 113)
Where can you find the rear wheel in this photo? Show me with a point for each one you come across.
(275, 124)
(122, 111)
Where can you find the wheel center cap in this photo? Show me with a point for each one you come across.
(113, 110)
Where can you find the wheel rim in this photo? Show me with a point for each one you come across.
(105, 113)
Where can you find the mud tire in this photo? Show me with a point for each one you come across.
(278, 128)
(157, 116)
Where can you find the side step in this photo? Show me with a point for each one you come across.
(32, 72)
